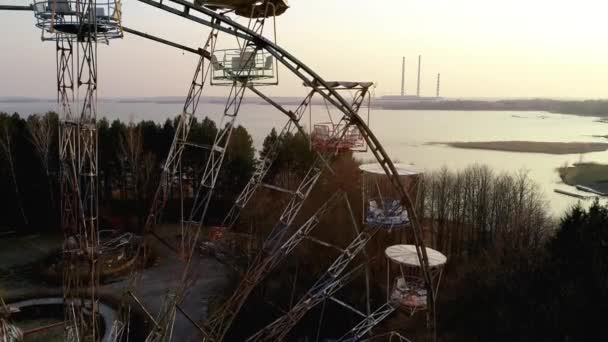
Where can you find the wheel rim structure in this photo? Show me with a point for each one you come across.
(212, 19)
(222, 23)
(278, 244)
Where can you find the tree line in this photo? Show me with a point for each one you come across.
(131, 156)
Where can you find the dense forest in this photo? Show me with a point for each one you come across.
(514, 272)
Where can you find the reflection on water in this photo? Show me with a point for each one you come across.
(405, 135)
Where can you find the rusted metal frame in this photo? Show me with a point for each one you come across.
(70, 198)
(295, 66)
(266, 163)
(323, 243)
(390, 336)
(367, 270)
(205, 54)
(171, 167)
(320, 325)
(261, 267)
(366, 325)
(348, 306)
(277, 188)
(88, 153)
(210, 176)
(330, 280)
(277, 330)
(296, 202)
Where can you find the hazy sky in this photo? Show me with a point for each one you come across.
(483, 48)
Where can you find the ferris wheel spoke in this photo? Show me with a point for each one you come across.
(368, 323)
(268, 160)
(261, 267)
(275, 247)
(205, 191)
(170, 170)
(323, 289)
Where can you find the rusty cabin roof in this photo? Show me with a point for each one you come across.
(244, 7)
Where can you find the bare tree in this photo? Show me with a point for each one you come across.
(6, 139)
(42, 133)
(131, 149)
(474, 210)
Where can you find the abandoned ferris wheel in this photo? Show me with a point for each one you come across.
(254, 62)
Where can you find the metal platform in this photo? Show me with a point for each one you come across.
(72, 18)
(324, 137)
(387, 213)
(256, 66)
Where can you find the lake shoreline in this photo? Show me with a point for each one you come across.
(593, 108)
(529, 146)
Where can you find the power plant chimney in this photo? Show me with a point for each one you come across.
(403, 77)
(418, 84)
(438, 83)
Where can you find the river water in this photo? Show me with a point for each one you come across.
(405, 134)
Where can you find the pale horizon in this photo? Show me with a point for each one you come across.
(482, 50)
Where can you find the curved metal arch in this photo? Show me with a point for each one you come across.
(227, 25)
(312, 79)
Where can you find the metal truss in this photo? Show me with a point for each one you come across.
(366, 325)
(180, 139)
(170, 170)
(272, 246)
(88, 166)
(325, 287)
(264, 264)
(78, 183)
(69, 181)
(322, 290)
(206, 17)
(392, 336)
(265, 164)
(204, 193)
(222, 23)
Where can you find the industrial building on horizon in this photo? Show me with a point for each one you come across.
(403, 97)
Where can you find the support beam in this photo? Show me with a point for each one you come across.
(199, 51)
(16, 8)
(368, 323)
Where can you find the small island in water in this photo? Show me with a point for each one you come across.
(530, 146)
(590, 177)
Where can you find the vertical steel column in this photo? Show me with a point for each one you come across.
(88, 170)
(69, 190)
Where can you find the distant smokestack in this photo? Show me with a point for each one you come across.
(438, 83)
(418, 84)
(403, 77)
